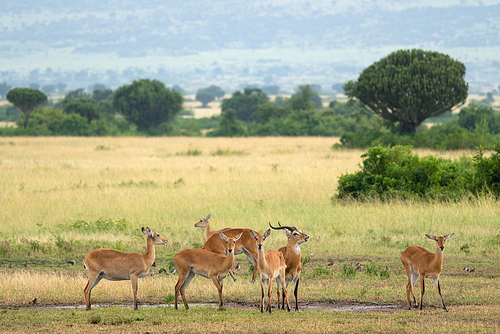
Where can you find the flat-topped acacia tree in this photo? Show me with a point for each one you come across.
(409, 86)
(26, 100)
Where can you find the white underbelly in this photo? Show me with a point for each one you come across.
(199, 273)
(124, 278)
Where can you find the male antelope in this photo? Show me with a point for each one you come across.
(192, 261)
(216, 245)
(292, 254)
(419, 261)
(271, 266)
(118, 266)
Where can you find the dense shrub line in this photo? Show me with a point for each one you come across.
(475, 125)
(397, 172)
(253, 114)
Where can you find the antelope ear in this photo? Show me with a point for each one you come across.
(268, 233)
(287, 233)
(252, 233)
(431, 237)
(222, 236)
(239, 236)
(208, 217)
(446, 237)
(146, 230)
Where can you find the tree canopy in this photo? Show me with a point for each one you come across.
(101, 94)
(305, 98)
(61, 87)
(229, 125)
(26, 99)
(147, 103)
(48, 89)
(271, 90)
(472, 115)
(409, 86)
(215, 91)
(204, 97)
(245, 103)
(179, 89)
(88, 109)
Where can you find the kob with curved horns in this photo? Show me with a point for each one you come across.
(292, 254)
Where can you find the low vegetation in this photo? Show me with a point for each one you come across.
(398, 173)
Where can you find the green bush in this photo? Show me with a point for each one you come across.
(398, 173)
(487, 172)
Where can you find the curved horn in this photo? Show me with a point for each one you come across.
(290, 228)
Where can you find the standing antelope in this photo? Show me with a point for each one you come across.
(419, 261)
(216, 245)
(118, 266)
(192, 261)
(292, 254)
(271, 266)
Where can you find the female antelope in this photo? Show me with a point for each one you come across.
(419, 262)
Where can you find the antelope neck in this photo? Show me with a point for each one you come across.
(150, 252)
(207, 231)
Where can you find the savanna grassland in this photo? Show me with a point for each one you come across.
(63, 197)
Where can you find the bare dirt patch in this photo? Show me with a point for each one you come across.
(304, 306)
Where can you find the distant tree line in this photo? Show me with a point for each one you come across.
(389, 104)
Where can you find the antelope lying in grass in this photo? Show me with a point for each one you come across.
(419, 262)
(118, 266)
(271, 266)
(216, 245)
(292, 255)
(193, 261)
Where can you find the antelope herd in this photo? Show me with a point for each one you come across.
(215, 260)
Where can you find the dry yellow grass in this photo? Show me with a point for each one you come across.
(170, 183)
(79, 178)
(243, 182)
(8, 124)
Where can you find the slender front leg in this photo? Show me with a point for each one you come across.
(422, 290)
(133, 280)
(262, 300)
(286, 297)
(219, 288)
(438, 287)
(269, 291)
(295, 292)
